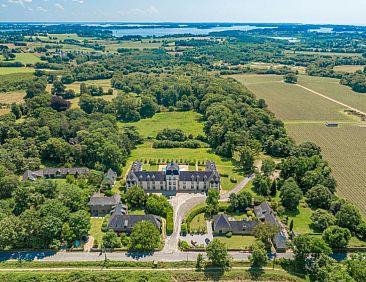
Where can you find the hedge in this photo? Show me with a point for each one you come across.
(196, 211)
(169, 222)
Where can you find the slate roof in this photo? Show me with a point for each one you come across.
(136, 166)
(99, 199)
(194, 175)
(264, 212)
(120, 209)
(53, 172)
(149, 175)
(221, 221)
(125, 223)
(110, 177)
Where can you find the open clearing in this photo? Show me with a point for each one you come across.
(12, 97)
(344, 147)
(186, 121)
(348, 68)
(25, 58)
(10, 70)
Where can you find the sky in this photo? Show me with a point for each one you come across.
(265, 11)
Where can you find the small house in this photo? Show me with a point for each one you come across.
(101, 205)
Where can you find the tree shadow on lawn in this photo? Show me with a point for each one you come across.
(213, 273)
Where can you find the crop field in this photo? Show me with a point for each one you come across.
(12, 97)
(345, 149)
(325, 53)
(25, 58)
(290, 102)
(348, 68)
(10, 70)
(186, 121)
(333, 89)
(144, 44)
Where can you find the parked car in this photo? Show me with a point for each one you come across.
(194, 243)
(207, 241)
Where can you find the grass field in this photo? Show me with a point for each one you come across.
(105, 83)
(237, 241)
(199, 224)
(25, 58)
(325, 53)
(4, 71)
(343, 147)
(96, 229)
(186, 121)
(144, 44)
(348, 68)
(290, 102)
(12, 97)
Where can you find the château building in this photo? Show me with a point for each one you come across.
(172, 179)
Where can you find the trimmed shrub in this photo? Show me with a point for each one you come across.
(169, 222)
(229, 235)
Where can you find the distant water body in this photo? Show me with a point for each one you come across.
(161, 31)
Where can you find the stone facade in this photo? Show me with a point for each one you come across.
(173, 180)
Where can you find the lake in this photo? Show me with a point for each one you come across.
(161, 31)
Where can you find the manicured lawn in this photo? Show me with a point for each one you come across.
(96, 229)
(186, 121)
(355, 242)
(199, 224)
(301, 219)
(237, 241)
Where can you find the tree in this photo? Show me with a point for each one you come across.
(290, 78)
(59, 104)
(218, 255)
(145, 237)
(80, 223)
(246, 159)
(56, 150)
(148, 107)
(273, 190)
(157, 205)
(259, 257)
(58, 88)
(337, 237)
(262, 184)
(111, 240)
(136, 197)
(348, 216)
(319, 197)
(361, 231)
(239, 202)
(322, 219)
(200, 261)
(212, 201)
(291, 225)
(268, 167)
(308, 249)
(265, 232)
(15, 109)
(291, 194)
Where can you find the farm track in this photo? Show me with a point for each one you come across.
(331, 99)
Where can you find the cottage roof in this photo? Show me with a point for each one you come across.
(99, 199)
(120, 222)
(221, 221)
(53, 172)
(148, 175)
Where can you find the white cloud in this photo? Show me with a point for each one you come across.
(59, 6)
(41, 9)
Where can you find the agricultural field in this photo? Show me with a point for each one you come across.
(300, 109)
(349, 68)
(325, 53)
(143, 44)
(290, 102)
(10, 70)
(25, 58)
(345, 149)
(186, 121)
(105, 83)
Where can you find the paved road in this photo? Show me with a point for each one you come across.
(181, 203)
(83, 256)
(237, 189)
